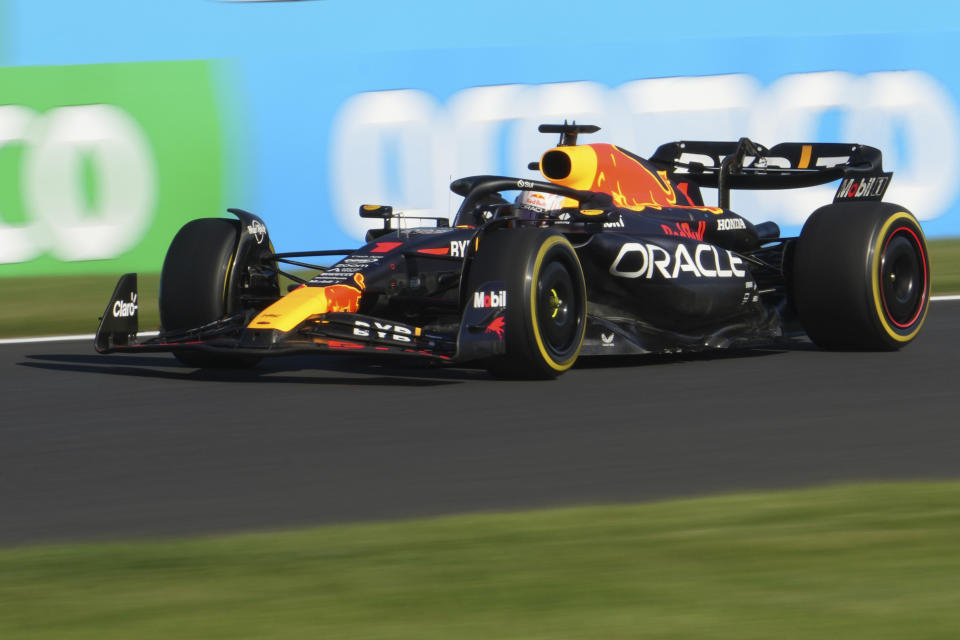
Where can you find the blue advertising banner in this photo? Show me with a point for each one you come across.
(329, 104)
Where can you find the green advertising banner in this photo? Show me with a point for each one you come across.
(101, 164)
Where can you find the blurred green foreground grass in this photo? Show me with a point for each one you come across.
(68, 305)
(871, 561)
(72, 305)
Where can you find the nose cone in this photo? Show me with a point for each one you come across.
(301, 303)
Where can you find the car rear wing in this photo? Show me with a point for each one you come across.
(748, 165)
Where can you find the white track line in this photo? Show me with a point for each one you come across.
(148, 334)
(86, 336)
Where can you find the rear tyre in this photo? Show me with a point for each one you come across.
(194, 286)
(546, 302)
(862, 276)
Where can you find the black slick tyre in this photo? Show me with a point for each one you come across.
(194, 286)
(861, 277)
(546, 300)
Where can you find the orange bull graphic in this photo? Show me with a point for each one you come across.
(632, 182)
(342, 297)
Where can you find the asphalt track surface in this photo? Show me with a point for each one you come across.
(114, 447)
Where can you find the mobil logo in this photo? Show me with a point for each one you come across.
(490, 299)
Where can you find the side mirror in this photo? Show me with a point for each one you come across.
(382, 211)
(385, 212)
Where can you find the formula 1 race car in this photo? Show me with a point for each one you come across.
(611, 254)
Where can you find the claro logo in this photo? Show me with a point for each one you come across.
(123, 309)
(58, 147)
(403, 146)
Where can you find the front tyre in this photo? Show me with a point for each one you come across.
(547, 300)
(862, 276)
(195, 287)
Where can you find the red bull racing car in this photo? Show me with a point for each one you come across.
(610, 254)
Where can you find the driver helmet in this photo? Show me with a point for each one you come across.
(538, 202)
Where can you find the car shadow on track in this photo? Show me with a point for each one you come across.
(353, 371)
(327, 370)
(657, 359)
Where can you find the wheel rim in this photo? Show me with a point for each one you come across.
(558, 309)
(903, 277)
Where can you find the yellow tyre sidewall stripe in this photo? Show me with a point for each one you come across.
(541, 253)
(225, 294)
(875, 277)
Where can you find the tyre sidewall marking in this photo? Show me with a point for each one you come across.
(878, 247)
(886, 305)
(225, 297)
(548, 244)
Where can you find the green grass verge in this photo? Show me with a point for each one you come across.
(45, 306)
(945, 265)
(872, 561)
(67, 305)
